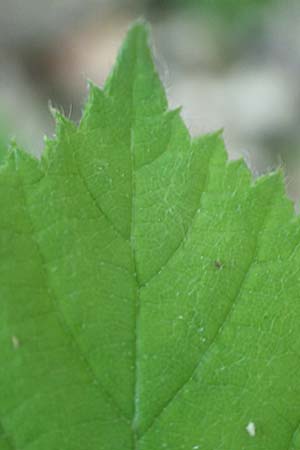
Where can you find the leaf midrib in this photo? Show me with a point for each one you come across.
(135, 414)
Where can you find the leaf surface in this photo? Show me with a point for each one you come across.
(149, 288)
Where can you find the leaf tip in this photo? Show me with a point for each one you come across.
(62, 123)
(140, 30)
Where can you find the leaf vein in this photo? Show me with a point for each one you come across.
(67, 330)
(222, 325)
(186, 233)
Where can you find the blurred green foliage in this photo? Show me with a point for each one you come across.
(230, 12)
(3, 142)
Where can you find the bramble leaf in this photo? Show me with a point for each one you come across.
(149, 289)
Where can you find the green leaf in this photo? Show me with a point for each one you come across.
(149, 289)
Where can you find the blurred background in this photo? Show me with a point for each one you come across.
(231, 64)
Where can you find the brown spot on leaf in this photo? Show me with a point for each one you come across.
(218, 264)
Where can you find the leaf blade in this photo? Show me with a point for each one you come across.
(150, 288)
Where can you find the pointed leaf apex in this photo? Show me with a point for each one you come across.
(135, 75)
(139, 32)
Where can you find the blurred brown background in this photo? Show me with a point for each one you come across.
(232, 64)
